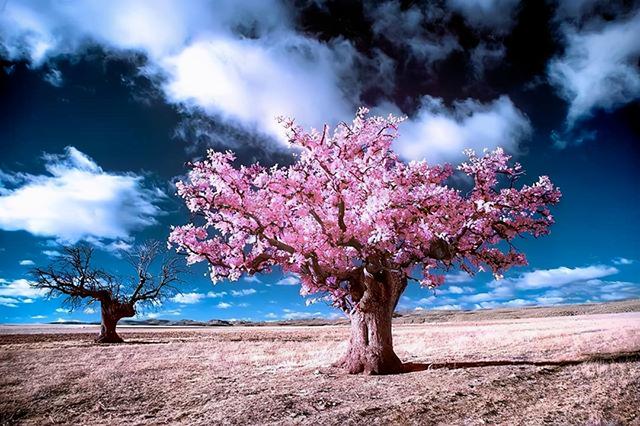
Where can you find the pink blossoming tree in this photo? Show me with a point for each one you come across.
(355, 222)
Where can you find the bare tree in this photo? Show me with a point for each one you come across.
(73, 275)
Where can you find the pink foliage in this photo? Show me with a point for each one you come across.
(348, 202)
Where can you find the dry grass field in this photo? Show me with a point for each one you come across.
(579, 369)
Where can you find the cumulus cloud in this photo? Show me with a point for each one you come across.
(19, 288)
(438, 133)
(77, 200)
(170, 312)
(554, 286)
(443, 308)
(599, 68)
(292, 315)
(253, 81)
(504, 304)
(457, 278)
(241, 62)
(188, 298)
(27, 262)
(195, 297)
(223, 305)
(454, 289)
(622, 261)
(38, 30)
(243, 292)
(545, 278)
(288, 280)
(9, 302)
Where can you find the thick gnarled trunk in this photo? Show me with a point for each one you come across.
(112, 312)
(371, 344)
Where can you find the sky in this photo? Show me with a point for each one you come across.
(103, 103)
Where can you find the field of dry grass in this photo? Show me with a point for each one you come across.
(581, 369)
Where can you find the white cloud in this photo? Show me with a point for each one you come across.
(9, 302)
(188, 298)
(539, 287)
(454, 289)
(514, 303)
(439, 133)
(479, 297)
(290, 314)
(38, 317)
(51, 253)
(458, 278)
(548, 278)
(251, 279)
(243, 292)
(38, 30)
(495, 15)
(89, 310)
(244, 63)
(223, 305)
(252, 81)
(63, 310)
(549, 300)
(214, 295)
(78, 200)
(54, 77)
(622, 261)
(288, 280)
(456, 307)
(239, 61)
(599, 68)
(27, 262)
(195, 297)
(171, 312)
(20, 288)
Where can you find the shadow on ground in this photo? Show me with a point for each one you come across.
(609, 358)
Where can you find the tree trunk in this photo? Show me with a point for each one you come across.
(371, 344)
(112, 312)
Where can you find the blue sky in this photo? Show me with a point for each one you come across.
(103, 103)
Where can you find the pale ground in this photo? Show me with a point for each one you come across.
(478, 372)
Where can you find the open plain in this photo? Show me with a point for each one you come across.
(577, 369)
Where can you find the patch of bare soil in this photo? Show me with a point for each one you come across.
(582, 369)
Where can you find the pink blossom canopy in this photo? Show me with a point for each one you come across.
(349, 203)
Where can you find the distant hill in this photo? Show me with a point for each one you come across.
(411, 317)
(417, 317)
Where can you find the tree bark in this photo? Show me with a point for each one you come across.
(112, 312)
(371, 344)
